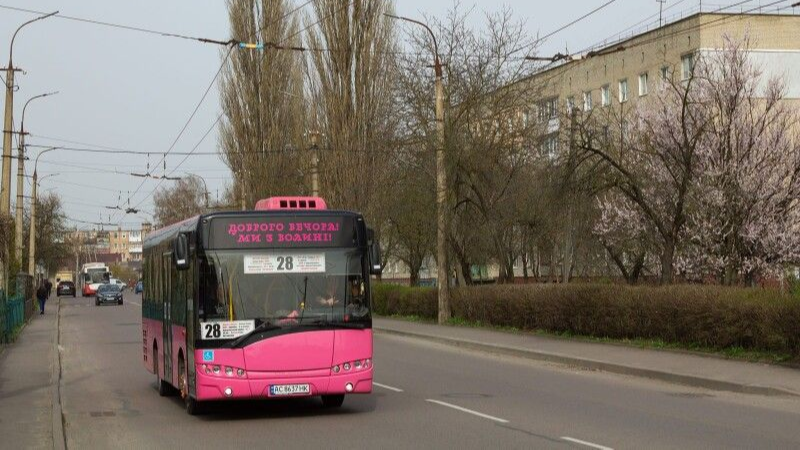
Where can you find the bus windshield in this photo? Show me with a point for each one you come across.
(284, 287)
(93, 276)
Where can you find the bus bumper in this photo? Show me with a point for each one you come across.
(257, 384)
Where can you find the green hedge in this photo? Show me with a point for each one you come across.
(695, 316)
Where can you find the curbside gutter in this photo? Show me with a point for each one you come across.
(592, 364)
(59, 438)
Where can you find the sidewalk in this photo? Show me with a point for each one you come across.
(681, 368)
(28, 384)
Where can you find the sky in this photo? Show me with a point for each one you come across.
(129, 90)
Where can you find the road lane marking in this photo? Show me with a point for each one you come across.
(135, 303)
(387, 387)
(468, 411)
(588, 444)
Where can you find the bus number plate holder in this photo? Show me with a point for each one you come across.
(279, 390)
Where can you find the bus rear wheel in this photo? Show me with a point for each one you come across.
(332, 401)
(164, 389)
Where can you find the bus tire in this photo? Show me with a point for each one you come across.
(164, 389)
(193, 407)
(332, 401)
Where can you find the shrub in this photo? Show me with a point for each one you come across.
(690, 315)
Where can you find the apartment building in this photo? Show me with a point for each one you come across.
(125, 243)
(619, 74)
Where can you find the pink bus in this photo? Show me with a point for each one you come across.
(262, 304)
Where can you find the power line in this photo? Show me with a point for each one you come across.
(285, 40)
(123, 27)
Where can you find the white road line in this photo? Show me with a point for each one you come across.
(588, 444)
(468, 411)
(135, 303)
(387, 387)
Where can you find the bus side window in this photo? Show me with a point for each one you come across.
(212, 303)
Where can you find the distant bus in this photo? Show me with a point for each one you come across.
(262, 304)
(93, 275)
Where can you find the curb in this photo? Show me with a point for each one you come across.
(591, 364)
(59, 438)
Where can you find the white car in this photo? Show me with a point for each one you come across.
(118, 282)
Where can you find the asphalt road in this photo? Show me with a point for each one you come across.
(426, 396)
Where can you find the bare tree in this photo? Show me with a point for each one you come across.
(262, 134)
(181, 201)
(350, 80)
(51, 230)
(492, 140)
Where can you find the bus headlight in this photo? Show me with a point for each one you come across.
(240, 372)
(229, 371)
(346, 366)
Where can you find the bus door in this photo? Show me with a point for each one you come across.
(167, 314)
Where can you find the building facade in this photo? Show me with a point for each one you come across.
(618, 75)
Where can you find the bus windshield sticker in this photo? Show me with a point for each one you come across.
(208, 355)
(284, 263)
(225, 330)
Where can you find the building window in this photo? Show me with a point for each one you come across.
(570, 105)
(643, 88)
(548, 109)
(687, 66)
(605, 95)
(623, 90)
(587, 101)
(664, 73)
(550, 145)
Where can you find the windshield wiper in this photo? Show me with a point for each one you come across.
(263, 326)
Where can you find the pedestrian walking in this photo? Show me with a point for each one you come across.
(41, 295)
(49, 287)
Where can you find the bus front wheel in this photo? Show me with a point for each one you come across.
(332, 401)
(193, 407)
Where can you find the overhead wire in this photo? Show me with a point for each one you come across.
(120, 26)
(284, 41)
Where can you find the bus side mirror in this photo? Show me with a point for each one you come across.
(374, 253)
(180, 252)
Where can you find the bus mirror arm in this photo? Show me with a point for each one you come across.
(374, 253)
(180, 252)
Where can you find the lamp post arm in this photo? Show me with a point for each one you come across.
(436, 63)
(11, 48)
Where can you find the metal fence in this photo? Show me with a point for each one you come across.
(17, 309)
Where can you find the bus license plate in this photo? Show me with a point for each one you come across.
(289, 389)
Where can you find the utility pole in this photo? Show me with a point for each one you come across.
(8, 125)
(5, 186)
(32, 241)
(442, 209)
(660, 11)
(20, 179)
(314, 164)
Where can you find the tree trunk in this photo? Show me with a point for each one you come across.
(667, 261)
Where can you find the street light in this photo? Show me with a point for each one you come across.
(20, 176)
(32, 241)
(5, 185)
(205, 186)
(443, 285)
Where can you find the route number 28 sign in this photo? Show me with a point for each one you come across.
(284, 263)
